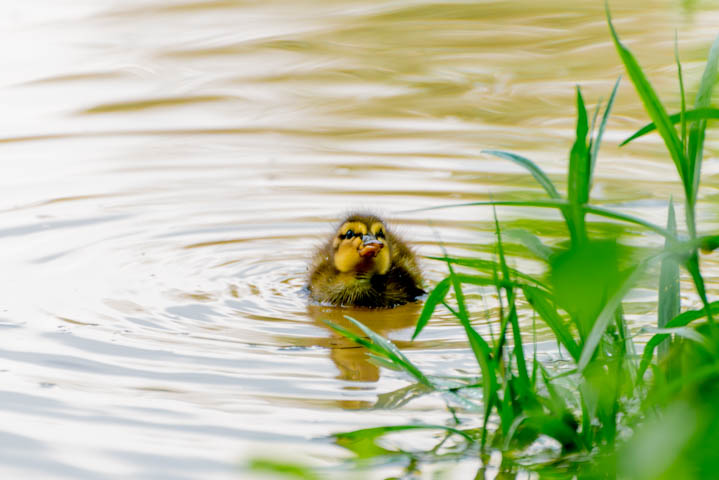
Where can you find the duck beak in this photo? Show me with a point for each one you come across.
(370, 246)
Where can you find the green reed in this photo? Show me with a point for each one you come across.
(611, 412)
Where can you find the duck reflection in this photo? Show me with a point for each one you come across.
(352, 360)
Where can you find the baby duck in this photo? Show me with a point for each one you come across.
(365, 265)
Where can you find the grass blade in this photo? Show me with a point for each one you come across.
(482, 353)
(652, 104)
(698, 128)
(579, 174)
(512, 316)
(560, 205)
(594, 122)
(363, 442)
(692, 265)
(689, 115)
(669, 299)
(391, 351)
(435, 297)
(383, 347)
(600, 133)
(578, 191)
(680, 320)
(531, 241)
(539, 301)
(683, 113)
(282, 469)
(532, 167)
(708, 243)
(483, 265)
(606, 315)
(684, 332)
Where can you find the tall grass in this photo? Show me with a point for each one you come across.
(612, 411)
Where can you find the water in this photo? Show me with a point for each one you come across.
(169, 167)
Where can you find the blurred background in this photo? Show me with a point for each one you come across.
(166, 169)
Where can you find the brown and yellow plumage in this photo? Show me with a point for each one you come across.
(366, 265)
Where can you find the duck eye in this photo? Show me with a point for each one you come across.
(380, 233)
(349, 234)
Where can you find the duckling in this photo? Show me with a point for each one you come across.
(365, 265)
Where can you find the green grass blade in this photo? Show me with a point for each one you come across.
(435, 297)
(692, 265)
(541, 304)
(606, 315)
(603, 212)
(354, 337)
(579, 174)
(578, 191)
(504, 268)
(391, 351)
(481, 281)
(383, 362)
(400, 397)
(588, 405)
(669, 293)
(560, 205)
(506, 412)
(531, 241)
(375, 432)
(685, 318)
(591, 127)
(513, 318)
(629, 350)
(680, 320)
(379, 431)
(708, 243)
(685, 382)
(282, 469)
(683, 113)
(600, 133)
(554, 427)
(532, 167)
(708, 113)
(383, 347)
(652, 104)
(479, 345)
(557, 404)
(698, 128)
(363, 442)
(482, 353)
(684, 332)
(485, 265)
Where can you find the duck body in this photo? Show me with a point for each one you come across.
(365, 265)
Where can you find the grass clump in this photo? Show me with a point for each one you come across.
(610, 412)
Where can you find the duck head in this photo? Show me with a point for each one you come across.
(360, 246)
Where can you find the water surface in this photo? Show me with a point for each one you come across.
(169, 167)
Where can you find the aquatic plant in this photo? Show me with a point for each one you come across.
(610, 412)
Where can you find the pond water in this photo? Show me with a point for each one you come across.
(168, 167)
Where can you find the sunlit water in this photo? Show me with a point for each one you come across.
(167, 169)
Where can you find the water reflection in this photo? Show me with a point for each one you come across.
(352, 361)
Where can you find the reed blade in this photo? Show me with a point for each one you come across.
(689, 116)
(600, 133)
(669, 293)
(652, 104)
(548, 313)
(435, 297)
(579, 174)
(698, 128)
(606, 315)
(532, 167)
